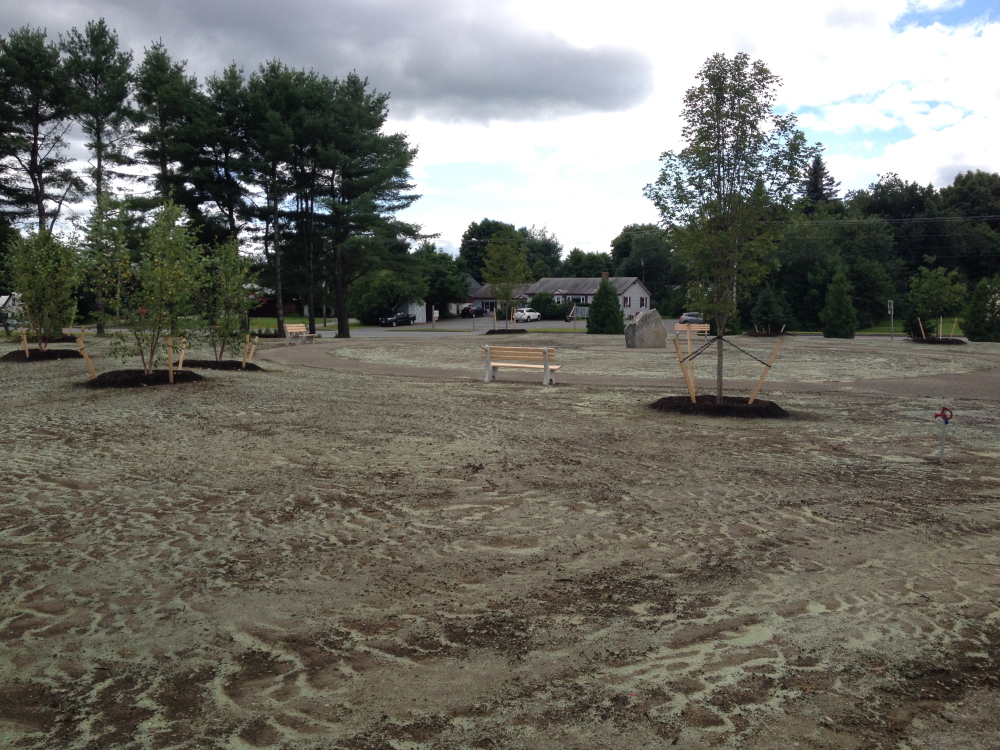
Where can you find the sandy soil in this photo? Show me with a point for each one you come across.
(365, 546)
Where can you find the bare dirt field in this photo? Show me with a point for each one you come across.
(365, 546)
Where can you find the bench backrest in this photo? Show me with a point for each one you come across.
(532, 354)
(295, 327)
(694, 327)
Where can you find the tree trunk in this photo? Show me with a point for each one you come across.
(340, 296)
(720, 327)
(279, 303)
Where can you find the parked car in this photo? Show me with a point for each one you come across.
(523, 314)
(473, 312)
(691, 317)
(397, 319)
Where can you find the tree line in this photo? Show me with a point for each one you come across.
(291, 163)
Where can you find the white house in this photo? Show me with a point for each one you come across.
(633, 296)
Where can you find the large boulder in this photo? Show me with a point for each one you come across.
(646, 331)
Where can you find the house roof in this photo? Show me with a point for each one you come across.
(485, 292)
(573, 286)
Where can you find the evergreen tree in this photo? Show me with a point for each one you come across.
(818, 185)
(605, 314)
(101, 80)
(35, 115)
(840, 321)
(981, 318)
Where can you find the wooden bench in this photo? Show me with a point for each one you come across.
(700, 329)
(521, 358)
(297, 332)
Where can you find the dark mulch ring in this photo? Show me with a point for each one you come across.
(494, 331)
(766, 334)
(226, 364)
(732, 406)
(138, 379)
(936, 340)
(36, 355)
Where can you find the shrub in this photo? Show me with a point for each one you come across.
(605, 315)
(840, 321)
(225, 300)
(981, 317)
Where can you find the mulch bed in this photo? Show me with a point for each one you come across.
(36, 355)
(226, 364)
(495, 331)
(766, 334)
(731, 406)
(936, 340)
(138, 379)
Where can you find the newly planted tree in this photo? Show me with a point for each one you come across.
(46, 273)
(225, 299)
(505, 267)
(158, 299)
(721, 193)
(935, 292)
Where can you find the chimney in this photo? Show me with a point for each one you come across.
(604, 275)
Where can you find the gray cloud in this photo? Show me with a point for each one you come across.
(444, 59)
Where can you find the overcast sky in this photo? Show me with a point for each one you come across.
(553, 113)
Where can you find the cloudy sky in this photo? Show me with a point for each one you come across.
(554, 112)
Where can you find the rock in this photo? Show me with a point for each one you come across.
(646, 331)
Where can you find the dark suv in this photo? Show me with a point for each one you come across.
(397, 319)
(473, 312)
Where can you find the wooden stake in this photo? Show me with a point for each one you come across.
(86, 357)
(690, 361)
(253, 348)
(953, 327)
(919, 323)
(767, 369)
(180, 359)
(940, 326)
(170, 359)
(246, 351)
(24, 342)
(687, 378)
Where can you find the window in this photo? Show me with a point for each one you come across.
(626, 302)
(642, 303)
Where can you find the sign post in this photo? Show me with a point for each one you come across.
(946, 415)
(892, 324)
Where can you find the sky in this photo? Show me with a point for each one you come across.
(553, 113)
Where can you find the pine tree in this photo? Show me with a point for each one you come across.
(605, 314)
(818, 185)
(840, 320)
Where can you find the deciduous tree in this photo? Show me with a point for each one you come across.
(505, 267)
(720, 193)
(46, 274)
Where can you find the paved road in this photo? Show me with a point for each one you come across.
(456, 327)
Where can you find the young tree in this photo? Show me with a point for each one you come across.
(505, 267)
(35, 115)
(741, 165)
(770, 312)
(46, 273)
(839, 319)
(225, 298)
(605, 314)
(158, 298)
(935, 292)
(981, 318)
